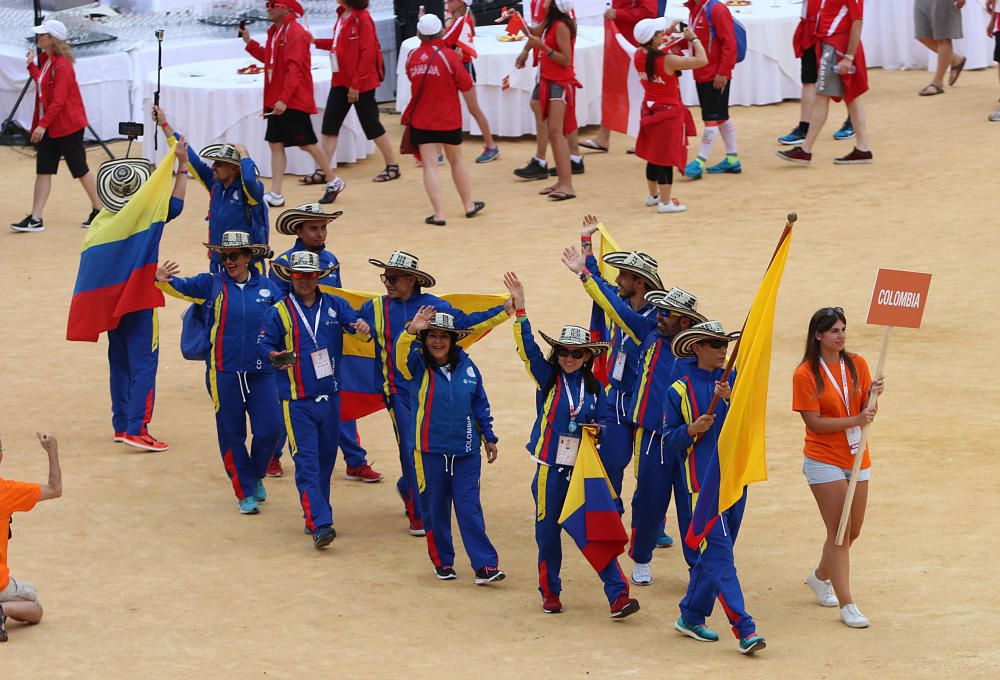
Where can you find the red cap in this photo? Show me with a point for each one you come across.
(291, 5)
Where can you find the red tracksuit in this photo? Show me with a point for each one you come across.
(58, 104)
(358, 51)
(287, 64)
(438, 80)
(630, 12)
(720, 48)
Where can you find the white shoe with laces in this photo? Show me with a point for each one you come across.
(652, 200)
(641, 576)
(852, 616)
(274, 200)
(823, 589)
(674, 206)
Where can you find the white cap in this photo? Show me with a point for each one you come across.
(52, 27)
(645, 29)
(429, 24)
(565, 6)
(468, 3)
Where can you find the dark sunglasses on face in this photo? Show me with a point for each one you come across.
(575, 353)
(232, 256)
(715, 344)
(390, 278)
(305, 275)
(664, 313)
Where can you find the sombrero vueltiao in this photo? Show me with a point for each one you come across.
(677, 301)
(446, 322)
(301, 261)
(405, 262)
(226, 153)
(576, 337)
(709, 330)
(118, 180)
(238, 240)
(638, 263)
(307, 212)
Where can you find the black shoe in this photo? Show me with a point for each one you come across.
(28, 224)
(533, 170)
(3, 627)
(576, 167)
(333, 189)
(489, 575)
(445, 573)
(93, 213)
(323, 537)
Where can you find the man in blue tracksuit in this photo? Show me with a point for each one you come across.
(303, 336)
(387, 316)
(693, 436)
(451, 420)
(308, 223)
(240, 383)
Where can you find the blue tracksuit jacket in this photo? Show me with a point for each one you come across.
(326, 259)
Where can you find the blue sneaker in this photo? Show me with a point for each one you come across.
(664, 541)
(752, 643)
(248, 506)
(846, 131)
(698, 632)
(693, 170)
(793, 138)
(488, 154)
(259, 492)
(726, 166)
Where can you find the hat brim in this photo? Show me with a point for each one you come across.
(211, 152)
(111, 200)
(683, 342)
(424, 279)
(256, 249)
(657, 302)
(287, 220)
(458, 333)
(616, 261)
(284, 272)
(596, 348)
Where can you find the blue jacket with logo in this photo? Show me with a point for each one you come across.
(326, 259)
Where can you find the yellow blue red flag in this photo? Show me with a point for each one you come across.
(601, 327)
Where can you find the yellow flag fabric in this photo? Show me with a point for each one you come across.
(608, 245)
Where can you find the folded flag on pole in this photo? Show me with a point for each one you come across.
(740, 458)
(589, 513)
(515, 24)
(601, 327)
(119, 259)
(621, 96)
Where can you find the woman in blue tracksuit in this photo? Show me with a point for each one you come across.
(451, 416)
(693, 436)
(239, 383)
(567, 396)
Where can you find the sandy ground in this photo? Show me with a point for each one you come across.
(147, 570)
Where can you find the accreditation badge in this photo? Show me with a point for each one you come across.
(567, 450)
(853, 438)
(321, 363)
(619, 368)
(334, 63)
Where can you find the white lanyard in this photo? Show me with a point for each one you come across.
(315, 327)
(574, 410)
(337, 28)
(274, 47)
(843, 377)
(41, 81)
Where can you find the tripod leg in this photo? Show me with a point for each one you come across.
(100, 141)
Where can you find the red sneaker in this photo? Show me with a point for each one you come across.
(362, 473)
(624, 606)
(146, 442)
(119, 437)
(796, 155)
(274, 468)
(551, 604)
(417, 528)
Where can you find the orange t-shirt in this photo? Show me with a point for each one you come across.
(14, 497)
(831, 447)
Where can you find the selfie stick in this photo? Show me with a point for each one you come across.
(159, 67)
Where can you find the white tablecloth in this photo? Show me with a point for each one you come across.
(588, 12)
(221, 105)
(509, 111)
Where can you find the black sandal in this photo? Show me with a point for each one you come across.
(476, 207)
(436, 223)
(318, 177)
(390, 173)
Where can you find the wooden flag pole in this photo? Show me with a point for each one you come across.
(860, 455)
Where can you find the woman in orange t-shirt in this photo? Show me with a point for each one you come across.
(831, 390)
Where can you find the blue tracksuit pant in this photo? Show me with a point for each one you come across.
(549, 488)
(448, 480)
(313, 429)
(401, 413)
(714, 576)
(616, 447)
(238, 395)
(658, 473)
(350, 444)
(133, 354)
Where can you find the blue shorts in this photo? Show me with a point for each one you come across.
(823, 473)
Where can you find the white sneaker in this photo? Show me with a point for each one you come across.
(823, 589)
(641, 575)
(274, 200)
(674, 206)
(652, 200)
(852, 616)
(995, 116)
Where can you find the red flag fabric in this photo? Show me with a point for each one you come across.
(516, 24)
(614, 98)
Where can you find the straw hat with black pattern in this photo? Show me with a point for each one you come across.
(307, 212)
(446, 322)
(226, 153)
(118, 180)
(638, 263)
(304, 261)
(407, 263)
(576, 337)
(238, 240)
(676, 301)
(683, 343)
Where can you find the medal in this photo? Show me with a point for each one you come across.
(572, 426)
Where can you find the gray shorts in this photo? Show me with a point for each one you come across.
(936, 19)
(822, 473)
(828, 82)
(18, 590)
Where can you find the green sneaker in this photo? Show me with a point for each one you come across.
(726, 166)
(752, 643)
(698, 632)
(259, 492)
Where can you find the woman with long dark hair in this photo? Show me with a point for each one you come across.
(832, 390)
(567, 396)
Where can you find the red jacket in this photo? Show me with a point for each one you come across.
(630, 12)
(58, 104)
(359, 55)
(720, 48)
(804, 38)
(435, 81)
(287, 64)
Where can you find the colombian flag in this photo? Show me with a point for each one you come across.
(119, 259)
(361, 376)
(600, 329)
(589, 514)
(740, 458)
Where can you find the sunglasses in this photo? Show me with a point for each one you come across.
(392, 278)
(305, 276)
(234, 256)
(665, 313)
(715, 344)
(575, 353)
(833, 311)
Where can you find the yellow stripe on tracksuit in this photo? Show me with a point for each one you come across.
(642, 384)
(250, 199)
(519, 344)
(418, 461)
(680, 387)
(173, 292)
(378, 309)
(156, 331)
(480, 328)
(286, 321)
(597, 295)
(403, 345)
(213, 374)
(292, 448)
(543, 482)
(636, 450)
(543, 423)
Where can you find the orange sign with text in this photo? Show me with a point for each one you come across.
(899, 298)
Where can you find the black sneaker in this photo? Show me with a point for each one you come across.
(29, 223)
(333, 189)
(3, 627)
(575, 167)
(323, 536)
(445, 573)
(93, 213)
(533, 170)
(489, 575)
